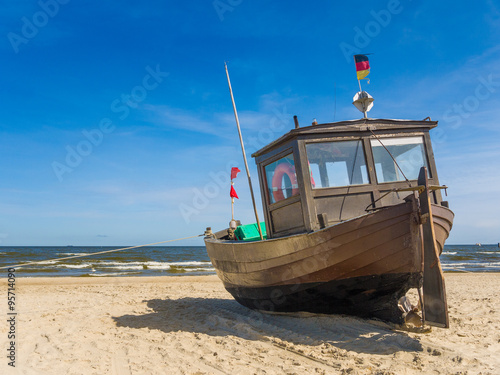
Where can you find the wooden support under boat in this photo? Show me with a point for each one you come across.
(435, 309)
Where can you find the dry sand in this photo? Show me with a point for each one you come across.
(191, 325)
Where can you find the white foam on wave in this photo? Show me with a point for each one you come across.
(134, 265)
(190, 266)
(83, 265)
(157, 266)
(199, 269)
(70, 254)
(124, 267)
(45, 262)
(152, 265)
(104, 263)
(471, 265)
(113, 274)
(187, 264)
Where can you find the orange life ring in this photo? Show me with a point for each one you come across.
(277, 181)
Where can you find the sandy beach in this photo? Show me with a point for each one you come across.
(191, 325)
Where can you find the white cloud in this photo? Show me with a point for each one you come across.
(437, 93)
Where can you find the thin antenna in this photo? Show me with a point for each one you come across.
(244, 154)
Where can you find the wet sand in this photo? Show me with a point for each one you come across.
(191, 325)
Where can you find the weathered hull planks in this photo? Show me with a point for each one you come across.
(306, 253)
(366, 296)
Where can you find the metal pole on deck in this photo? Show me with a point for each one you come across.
(244, 154)
(232, 205)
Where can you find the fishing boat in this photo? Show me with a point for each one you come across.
(354, 218)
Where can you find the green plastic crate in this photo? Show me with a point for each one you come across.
(250, 232)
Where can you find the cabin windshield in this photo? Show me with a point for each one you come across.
(281, 179)
(339, 163)
(409, 153)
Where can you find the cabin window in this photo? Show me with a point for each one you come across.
(337, 164)
(281, 179)
(409, 153)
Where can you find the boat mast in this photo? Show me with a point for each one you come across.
(244, 154)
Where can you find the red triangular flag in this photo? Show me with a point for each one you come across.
(234, 172)
(233, 194)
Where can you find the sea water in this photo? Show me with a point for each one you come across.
(184, 260)
(144, 261)
(471, 258)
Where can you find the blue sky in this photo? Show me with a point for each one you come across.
(116, 125)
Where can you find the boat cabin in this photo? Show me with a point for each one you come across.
(319, 175)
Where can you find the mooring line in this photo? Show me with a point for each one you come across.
(457, 270)
(100, 252)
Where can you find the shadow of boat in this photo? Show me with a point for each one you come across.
(223, 317)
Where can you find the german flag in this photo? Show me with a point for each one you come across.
(362, 66)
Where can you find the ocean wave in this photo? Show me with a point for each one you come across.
(133, 265)
(46, 262)
(124, 267)
(152, 265)
(70, 254)
(199, 269)
(111, 274)
(23, 270)
(449, 253)
(187, 264)
(470, 266)
(177, 264)
(84, 265)
(159, 266)
(451, 266)
(106, 263)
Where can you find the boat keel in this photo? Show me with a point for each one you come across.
(373, 296)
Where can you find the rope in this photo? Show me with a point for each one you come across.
(100, 252)
(456, 270)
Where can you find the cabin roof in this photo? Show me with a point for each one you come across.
(349, 126)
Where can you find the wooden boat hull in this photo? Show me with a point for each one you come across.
(359, 267)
